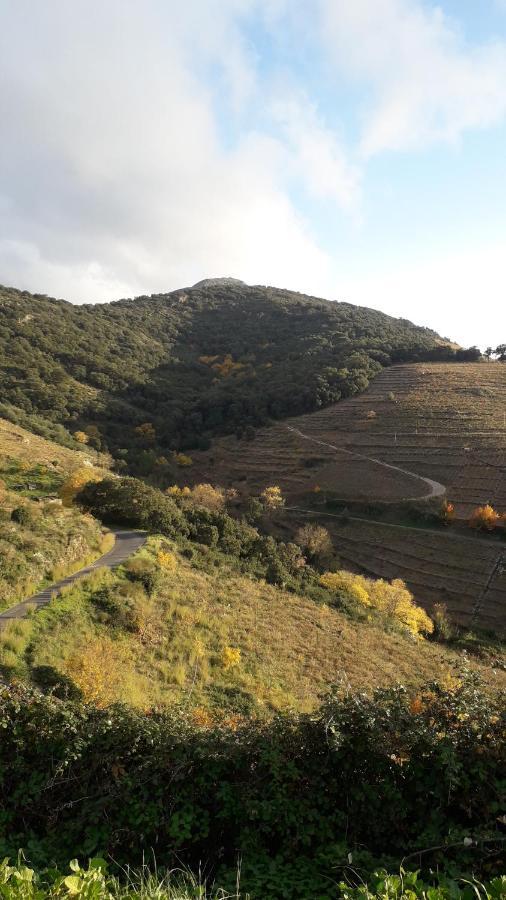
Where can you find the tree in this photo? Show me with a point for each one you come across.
(208, 496)
(76, 481)
(484, 518)
(272, 497)
(314, 540)
(81, 437)
(146, 432)
(447, 512)
(500, 352)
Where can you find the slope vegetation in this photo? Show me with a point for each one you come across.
(437, 421)
(40, 540)
(218, 642)
(211, 359)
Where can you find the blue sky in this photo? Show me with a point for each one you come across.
(349, 150)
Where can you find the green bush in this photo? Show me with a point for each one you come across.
(381, 778)
(23, 515)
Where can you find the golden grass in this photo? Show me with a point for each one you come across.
(17, 443)
(291, 649)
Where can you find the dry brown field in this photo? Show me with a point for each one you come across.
(441, 421)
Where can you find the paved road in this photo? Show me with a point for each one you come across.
(436, 489)
(127, 542)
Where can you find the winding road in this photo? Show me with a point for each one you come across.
(436, 488)
(126, 543)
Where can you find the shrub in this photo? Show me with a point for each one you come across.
(145, 572)
(272, 497)
(484, 518)
(23, 515)
(375, 776)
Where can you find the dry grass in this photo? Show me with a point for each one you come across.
(17, 443)
(291, 649)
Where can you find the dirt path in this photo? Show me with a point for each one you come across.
(446, 534)
(127, 542)
(436, 489)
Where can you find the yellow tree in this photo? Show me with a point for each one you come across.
(272, 497)
(208, 496)
(484, 517)
(81, 437)
(75, 483)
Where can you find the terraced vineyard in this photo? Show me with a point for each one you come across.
(444, 422)
(468, 574)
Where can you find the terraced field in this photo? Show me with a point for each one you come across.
(441, 421)
(468, 574)
(444, 422)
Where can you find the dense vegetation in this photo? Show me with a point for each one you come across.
(40, 542)
(149, 882)
(215, 358)
(392, 776)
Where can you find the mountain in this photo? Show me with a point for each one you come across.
(217, 357)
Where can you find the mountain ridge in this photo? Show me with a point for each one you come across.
(215, 358)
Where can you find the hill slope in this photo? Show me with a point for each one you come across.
(438, 421)
(196, 362)
(173, 647)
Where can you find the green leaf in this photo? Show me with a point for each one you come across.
(73, 884)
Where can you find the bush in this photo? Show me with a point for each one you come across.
(23, 515)
(376, 776)
(144, 572)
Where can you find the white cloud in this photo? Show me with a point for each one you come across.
(113, 177)
(458, 293)
(317, 156)
(426, 83)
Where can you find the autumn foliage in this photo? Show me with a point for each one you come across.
(485, 518)
(392, 599)
(75, 483)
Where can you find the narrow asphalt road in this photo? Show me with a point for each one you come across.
(127, 542)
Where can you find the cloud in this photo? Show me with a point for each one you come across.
(426, 84)
(318, 157)
(114, 176)
(458, 292)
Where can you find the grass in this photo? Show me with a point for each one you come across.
(54, 542)
(17, 443)
(114, 641)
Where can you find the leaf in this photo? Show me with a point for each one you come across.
(73, 883)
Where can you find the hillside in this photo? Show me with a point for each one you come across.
(436, 421)
(39, 539)
(216, 358)
(117, 644)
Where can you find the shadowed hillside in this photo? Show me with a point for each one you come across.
(220, 357)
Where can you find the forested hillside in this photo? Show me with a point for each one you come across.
(167, 372)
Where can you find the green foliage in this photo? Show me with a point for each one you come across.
(37, 541)
(212, 359)
(379, 777)
(128, 501)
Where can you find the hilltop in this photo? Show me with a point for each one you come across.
(216, 358)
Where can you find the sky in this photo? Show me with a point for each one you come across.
(349, 150)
